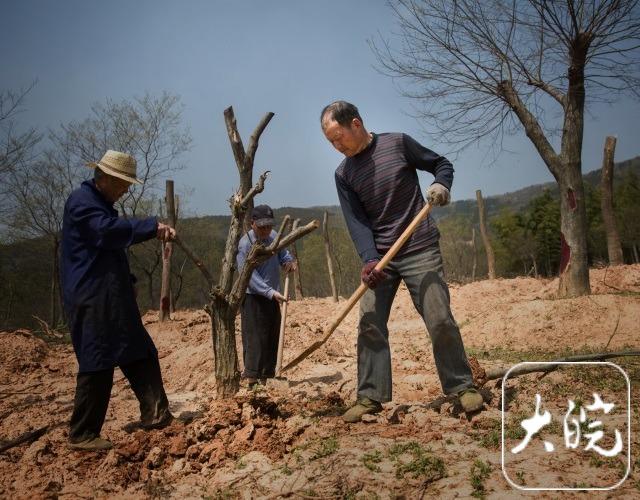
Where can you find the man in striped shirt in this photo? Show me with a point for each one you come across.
(380, 195)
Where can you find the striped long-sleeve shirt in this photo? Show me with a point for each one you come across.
(380, 194)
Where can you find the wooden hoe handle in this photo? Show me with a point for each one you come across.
(355, 297)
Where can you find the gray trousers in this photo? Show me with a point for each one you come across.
(423, 274)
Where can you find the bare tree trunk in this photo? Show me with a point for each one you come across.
(223, 310)
(167, 251)
(475, 254)
(635, 254)
(296, 273)
(491, 258)
(53, 311)
(574, 281)
(327, 249)
(606, 189)
(566, 167)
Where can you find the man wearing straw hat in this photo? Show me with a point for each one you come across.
(99, 299)
(380, 195)
(260, 314)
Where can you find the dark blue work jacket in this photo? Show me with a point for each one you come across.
(98, 294)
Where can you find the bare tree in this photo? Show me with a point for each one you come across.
(38, 191)
(227, 294)
(608, 218)
(329, 255)
(17, 148)
(485, 68)
(149, 128)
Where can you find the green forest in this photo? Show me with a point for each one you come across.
(524, 228)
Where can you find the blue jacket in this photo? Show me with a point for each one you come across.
(99, 300)
(265, 279)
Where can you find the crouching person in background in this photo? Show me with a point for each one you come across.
(100, 303)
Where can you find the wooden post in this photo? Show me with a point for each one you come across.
(167, 250)
(491, 258)
(606, 204)
(475, 254)
(174, 296)
(327, 249)
(296, 273)
(283, 323)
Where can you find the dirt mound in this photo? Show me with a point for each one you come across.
(21, 351)
(287, 438)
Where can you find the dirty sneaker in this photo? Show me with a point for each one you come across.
(249, 382)
(94, 444)
(363, 406)
(470, 400)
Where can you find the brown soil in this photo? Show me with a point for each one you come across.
(289, 441)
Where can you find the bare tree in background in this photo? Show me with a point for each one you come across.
(614, 247)
(329, 255)
(17, 147)
(485, 68)
(38, 190)
(486, 240)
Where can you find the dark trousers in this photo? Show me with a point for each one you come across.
(93, 391)
(260, 330)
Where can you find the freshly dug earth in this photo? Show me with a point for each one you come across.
(287, 440)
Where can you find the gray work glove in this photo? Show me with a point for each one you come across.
(438, 195)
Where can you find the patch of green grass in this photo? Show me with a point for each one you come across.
(224, 494)
(489, 436)
(286, 470)
(513, 429)
(370, 460)
(421, 464)
(479, 473)
(325, 447)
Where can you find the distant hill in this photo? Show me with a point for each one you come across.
(519, 199)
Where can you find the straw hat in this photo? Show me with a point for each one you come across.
(119, 165)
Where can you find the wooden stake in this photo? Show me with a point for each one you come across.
(491, 258)
(283, 322)
(167, 251)
(327, 249)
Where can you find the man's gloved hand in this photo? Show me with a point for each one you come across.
(279, 297)
(438, 195)
(290, 266)
(370, 276)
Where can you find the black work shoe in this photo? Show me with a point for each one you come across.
(470, 400)
(93, 444)
(160, 424)
(137, 425)
(363, 406)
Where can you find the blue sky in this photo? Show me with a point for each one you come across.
(290, 57)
